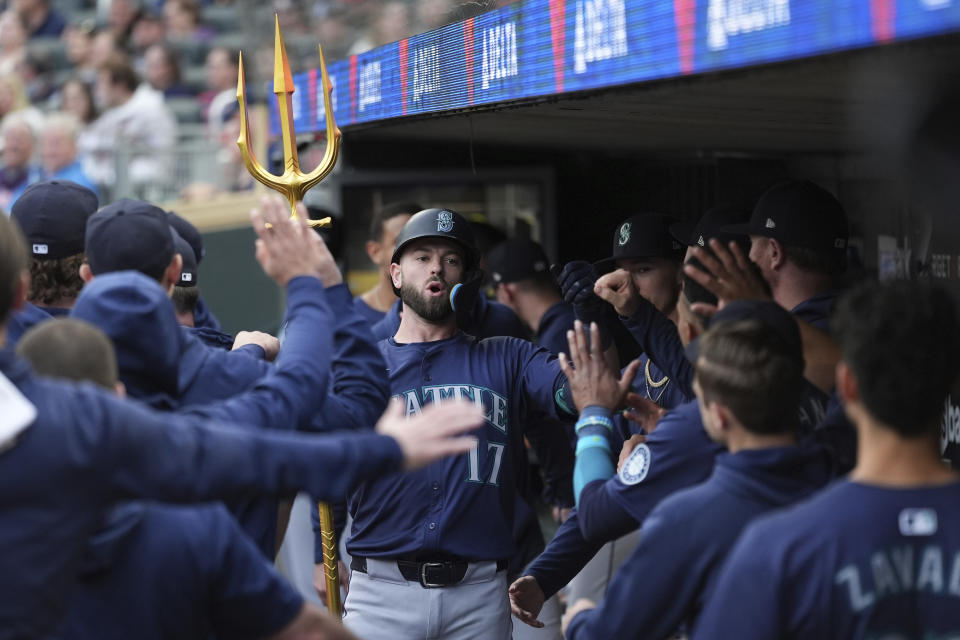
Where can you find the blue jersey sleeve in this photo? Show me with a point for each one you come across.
(248, 598)
(602, 518)
(651, 593)
(279, 400)
(359, 388)
(658, 338)
(207, 373)
(746, 577)
(563, 558)
(135, 453)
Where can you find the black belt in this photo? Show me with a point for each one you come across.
(430, 575)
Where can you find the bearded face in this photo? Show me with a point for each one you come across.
(427, 272)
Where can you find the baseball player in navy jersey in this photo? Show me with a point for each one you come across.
(644, 250)
(676, 455)
(750, 364)
(206, 577)
(429, 550)
(70, 451)
(387, 222)
(876, 555)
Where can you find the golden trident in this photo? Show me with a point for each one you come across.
(294, 184)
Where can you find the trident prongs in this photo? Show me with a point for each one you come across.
(293, 184)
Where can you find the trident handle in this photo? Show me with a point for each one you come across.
(328, 540)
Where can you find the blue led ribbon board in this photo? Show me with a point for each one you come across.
(548, 47)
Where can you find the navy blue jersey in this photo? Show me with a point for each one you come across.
(687, 536)
(368, 313)
(678, 454)
(157, 572)
(553, 327)
(855, 561)
(489, 319)
(87, 449)
(657, 336)
(219, 340)
(31, 315)
(462, 506)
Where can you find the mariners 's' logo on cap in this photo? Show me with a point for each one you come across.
(624, 233)
(701, 242)
(445, 221)
(770, 224)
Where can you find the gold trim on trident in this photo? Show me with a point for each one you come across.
(293, 184)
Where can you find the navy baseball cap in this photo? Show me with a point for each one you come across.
(644, 236)
(767, 312)
(129, 235)
(711, 225)
(516, 259)
(188, 272)
(798, 213)
(188, 232)
(53, 216)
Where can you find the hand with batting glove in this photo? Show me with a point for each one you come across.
(577, 280)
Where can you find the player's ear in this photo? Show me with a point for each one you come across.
(373, 251)
(395, 275)
(777, 253)
(85, 273)
(847, 387)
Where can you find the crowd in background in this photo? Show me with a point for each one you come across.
(108, 92)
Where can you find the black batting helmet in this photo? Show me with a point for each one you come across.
(439, 223)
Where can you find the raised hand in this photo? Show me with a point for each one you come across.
(728, 274)
(592, 378)
(643, 411)
(437, 432)
(287, 248)
(618, 289)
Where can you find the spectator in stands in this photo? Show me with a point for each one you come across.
(78, 41)
(120, 19)
(334, 33)
(36, 73)
(40, 19)
(76, 98)
(13, 41)
(183, 21)
(13, 99)
(148, 30)
(104, 47)
(162, 71)
(17, 171)
(221, 87)
(58, 150)
(136, 121)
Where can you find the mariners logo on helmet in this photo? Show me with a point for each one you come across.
(624, 233)
(445, 221)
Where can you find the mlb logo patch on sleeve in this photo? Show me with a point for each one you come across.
(635, 468)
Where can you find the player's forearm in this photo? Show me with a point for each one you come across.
(594, 453)
(567, 553)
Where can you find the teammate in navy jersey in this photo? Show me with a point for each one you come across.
(644, 250)
(206, 577)
(876, 555)
(676, 455)
(443, 535)
(70, 451)
(749, 379)
(387, 222)
(53, 216)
